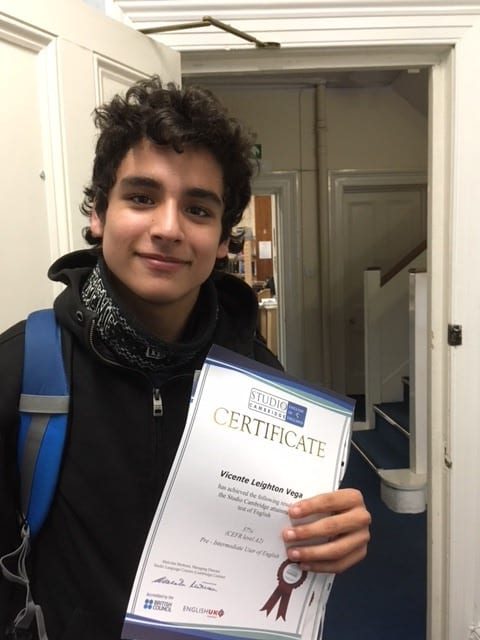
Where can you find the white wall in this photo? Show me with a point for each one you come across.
(373, 130)
(367, 129)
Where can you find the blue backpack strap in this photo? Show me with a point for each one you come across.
(42, 431)
(43, 409)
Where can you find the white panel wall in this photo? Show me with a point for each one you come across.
(23, 219)
(58, 60)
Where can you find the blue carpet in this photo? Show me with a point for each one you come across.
(399, 411)
(386, 448)
(384, 597)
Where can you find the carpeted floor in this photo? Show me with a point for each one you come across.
(384, 597)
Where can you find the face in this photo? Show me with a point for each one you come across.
(161, 232)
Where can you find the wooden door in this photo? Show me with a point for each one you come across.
(263, 234)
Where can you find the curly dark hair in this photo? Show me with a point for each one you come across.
(169, 115)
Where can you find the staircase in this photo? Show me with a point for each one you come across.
(386, 449)
(393, 438)
(386, 446)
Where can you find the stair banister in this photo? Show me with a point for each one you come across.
(403, 262)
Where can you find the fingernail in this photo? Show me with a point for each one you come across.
(295, 511)
(289, 534)
(294, 554)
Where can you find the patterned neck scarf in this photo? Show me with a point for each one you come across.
(131, 343)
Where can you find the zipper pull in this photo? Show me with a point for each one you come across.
(157, 403)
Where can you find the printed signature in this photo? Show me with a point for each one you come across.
(180, 582)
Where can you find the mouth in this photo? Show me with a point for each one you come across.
(162, 261)
(160, 257)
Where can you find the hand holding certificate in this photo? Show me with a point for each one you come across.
(214, 563)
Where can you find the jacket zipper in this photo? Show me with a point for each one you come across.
(157, 403)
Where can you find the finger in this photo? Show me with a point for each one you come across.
(329, 526)
(338, 554)
(336, 566)
(333, 502)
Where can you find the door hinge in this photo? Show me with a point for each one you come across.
(454, 335)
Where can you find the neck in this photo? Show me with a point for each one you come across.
(148, 336)
(163, 320)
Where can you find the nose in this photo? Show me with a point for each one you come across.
(166, 223)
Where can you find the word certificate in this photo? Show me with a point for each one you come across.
(214, 563)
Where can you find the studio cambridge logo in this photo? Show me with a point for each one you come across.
(276, 407)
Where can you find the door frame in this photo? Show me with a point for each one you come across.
(284, 185)
(445, 38)
(341, 182)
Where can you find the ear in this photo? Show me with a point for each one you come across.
(96, 225)
(222, 250)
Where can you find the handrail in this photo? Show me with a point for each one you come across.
(401, 264)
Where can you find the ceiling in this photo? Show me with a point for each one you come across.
(290, 23)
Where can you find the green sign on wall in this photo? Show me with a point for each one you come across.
(257, 151)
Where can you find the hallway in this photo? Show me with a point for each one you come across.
(384, 597)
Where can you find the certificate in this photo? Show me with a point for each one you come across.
(214, 563)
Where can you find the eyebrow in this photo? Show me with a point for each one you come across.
(151, 183)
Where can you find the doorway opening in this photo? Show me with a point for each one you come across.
(283, 188)
(317, 232)
(253, 258)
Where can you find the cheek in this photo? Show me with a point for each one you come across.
(121, 230)
(115, 243)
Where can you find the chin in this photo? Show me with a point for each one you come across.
(163, 298)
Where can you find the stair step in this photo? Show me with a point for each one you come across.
(403, 479)
(381, 451)
(403, 491)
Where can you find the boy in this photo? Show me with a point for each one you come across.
(171, 177)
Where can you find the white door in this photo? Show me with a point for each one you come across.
(381, 226)
(58, 60)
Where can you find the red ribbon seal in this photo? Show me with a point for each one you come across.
(289, 576)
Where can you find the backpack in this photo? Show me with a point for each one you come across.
(43, 407)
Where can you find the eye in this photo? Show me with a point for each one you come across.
(199, 211)
(141, 200)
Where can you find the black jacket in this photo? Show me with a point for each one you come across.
(116, 461)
